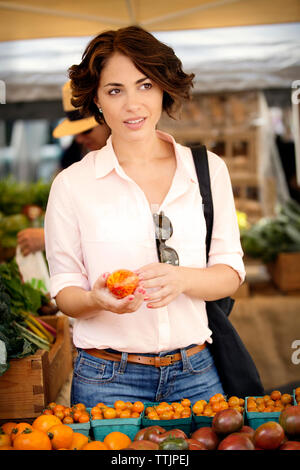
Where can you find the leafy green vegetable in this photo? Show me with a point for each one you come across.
(15, 344)
(15, 195)
(273, 235)
(23, 296)
(10, 225)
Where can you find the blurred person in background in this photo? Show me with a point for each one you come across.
(88, 135)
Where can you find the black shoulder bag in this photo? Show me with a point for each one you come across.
(235, 366)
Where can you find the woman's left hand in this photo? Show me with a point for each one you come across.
(168, 279)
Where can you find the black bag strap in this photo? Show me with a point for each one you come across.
(202, 170)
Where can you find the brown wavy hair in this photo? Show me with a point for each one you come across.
(150, 56)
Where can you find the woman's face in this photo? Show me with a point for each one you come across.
(131, 103)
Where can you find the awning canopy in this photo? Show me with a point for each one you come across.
(28, 19)
(238, 58)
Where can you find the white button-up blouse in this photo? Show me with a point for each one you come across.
(99, 220)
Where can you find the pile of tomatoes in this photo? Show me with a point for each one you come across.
(47, 432)
(68, 415)
(217, 403)
(275, 402)
(164, 410)
(120, 409)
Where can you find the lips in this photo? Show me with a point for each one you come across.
(135, 123)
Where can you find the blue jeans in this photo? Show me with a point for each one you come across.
(98, 380)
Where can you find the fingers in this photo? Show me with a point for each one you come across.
(162, 303)
(101, 281)
(128, 304)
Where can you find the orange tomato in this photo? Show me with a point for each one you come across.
(167, 415)
(153, 415)
(95, 445)
(251, 407)
(233, 401)
(178, 408)
(8, 427)
(76, 415)
(58, 408)
(269, 409)
(207, 411)
(275, 395)
(138, 406)
(286, 398)
(47, 411)
(186, 413)
(68, 411)
(5, 439)
(101, 406)
(59, 414)
(60, 435)
(79, 440)
(68, 420)
(129, 405)
(84, 418)
(32, 439)
(109, 413)
(95, 410)
(160, 408)
(270, 403)
(134, 414)
(51, 405)
(120, 405)
(44, 422)
(185, 402)
(125, 414)
(260, 400)
(148, 409)
(261, 407)
(198, 407)
(20, 427)
(79, 406)
(223, 405)
(216, 406)
(117, 440)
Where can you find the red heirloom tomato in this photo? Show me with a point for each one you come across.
(122, 283)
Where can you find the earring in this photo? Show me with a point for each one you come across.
(100, 110)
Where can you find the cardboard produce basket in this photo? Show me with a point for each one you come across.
(285, 271)
(32, 382)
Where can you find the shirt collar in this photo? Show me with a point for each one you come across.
(106, 159)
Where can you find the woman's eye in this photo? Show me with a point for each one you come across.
(147, 86)
(114, 91)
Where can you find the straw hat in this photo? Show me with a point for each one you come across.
(74, 124)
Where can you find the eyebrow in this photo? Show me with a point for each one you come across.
(120, 84)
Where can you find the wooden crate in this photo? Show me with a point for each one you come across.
(32, 382)
(285, 271)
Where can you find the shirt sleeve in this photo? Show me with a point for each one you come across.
(62, 239)
(225, 243)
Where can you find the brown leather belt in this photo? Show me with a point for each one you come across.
(156, 361)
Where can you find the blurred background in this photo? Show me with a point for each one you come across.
(245, 108)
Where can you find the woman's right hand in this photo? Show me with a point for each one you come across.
(103, 298)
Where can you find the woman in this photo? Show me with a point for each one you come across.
(103, 214)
